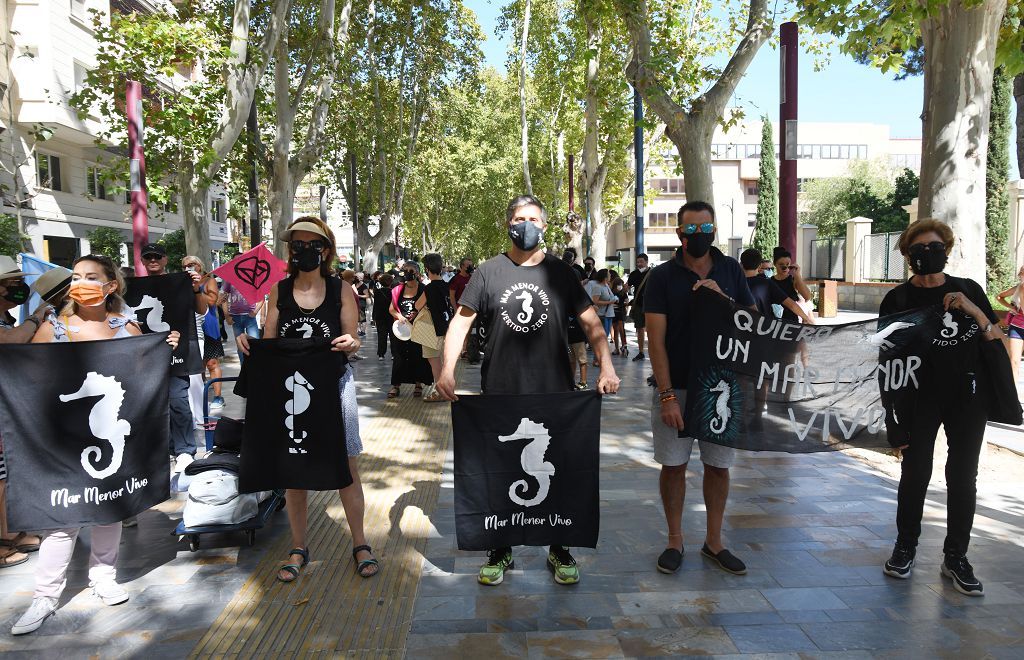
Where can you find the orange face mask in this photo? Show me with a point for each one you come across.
(87, 293)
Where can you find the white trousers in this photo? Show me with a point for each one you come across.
(55, 554)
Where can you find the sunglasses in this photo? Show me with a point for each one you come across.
(152, 257)
(703, 228)
(934, 245)
(299, 246)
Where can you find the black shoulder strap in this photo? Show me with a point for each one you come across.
(285, 297)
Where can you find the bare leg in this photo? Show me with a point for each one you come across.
(640, 339)
(583, 371)
(435, 367)
(355, 505)
(716, 492)
(672, 484)
(295, 503)
(4, 532)
(214, 366)
(1014, 348)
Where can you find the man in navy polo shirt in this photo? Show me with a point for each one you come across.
(668, 305)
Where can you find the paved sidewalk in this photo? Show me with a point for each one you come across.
(813, 530)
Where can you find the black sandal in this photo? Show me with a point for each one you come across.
(670, 560)
(366, 563)
(293, 569)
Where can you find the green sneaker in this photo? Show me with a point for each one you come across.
(562, 565)
(493, 572)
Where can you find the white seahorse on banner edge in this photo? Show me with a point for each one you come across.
(103, 421)
(722, 411)
(532, 460)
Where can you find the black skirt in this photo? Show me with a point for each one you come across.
(409, 365)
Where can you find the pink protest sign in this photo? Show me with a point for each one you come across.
(253, 273)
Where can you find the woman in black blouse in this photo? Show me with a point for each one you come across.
(948, 396)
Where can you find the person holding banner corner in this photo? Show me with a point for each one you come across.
(312, 302)
(525, 298)
(14, 292)
(952, 374)
(183, 438)
(668, 306)
(94, 311)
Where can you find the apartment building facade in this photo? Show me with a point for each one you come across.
(50, 45)
(826, 150)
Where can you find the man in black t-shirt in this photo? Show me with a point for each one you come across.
(636, 284)
(525, 298)
(669, 306)
(764, 289)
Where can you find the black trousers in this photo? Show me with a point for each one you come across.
(964, 422)
(383, 326)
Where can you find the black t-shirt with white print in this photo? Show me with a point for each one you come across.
(526, 311)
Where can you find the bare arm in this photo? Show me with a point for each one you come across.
(656, 327)
(453, 340)
(25, 332)
(269, 326)
(347, 342)
(608, 382)
(1004, 300)
(791, 305)
(801, 286)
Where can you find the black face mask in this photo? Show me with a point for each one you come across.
(928, 259)
(307, 259)
(697, 245)
(524, 235)
(17, 293)
(470, 269)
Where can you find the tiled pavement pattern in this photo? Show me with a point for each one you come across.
(812, 529)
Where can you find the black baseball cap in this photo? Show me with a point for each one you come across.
(153, 248)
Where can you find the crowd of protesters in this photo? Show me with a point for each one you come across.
(427, 316)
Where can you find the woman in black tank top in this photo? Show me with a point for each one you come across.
(409, 365)
(310, 303)
(787, 276)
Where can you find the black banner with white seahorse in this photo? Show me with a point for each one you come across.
(85, 430)
(526, 470)
(167, 302)
(294, 431)
(764, 384)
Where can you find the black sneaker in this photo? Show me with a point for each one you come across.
(639, 357)
(958, 569)
(901, 563)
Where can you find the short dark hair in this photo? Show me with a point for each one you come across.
(433, 262)
(521, 201)
(695, 206)
(643, 255)
(781, 253)
(751, 258)
(601, 275)
(592, 259)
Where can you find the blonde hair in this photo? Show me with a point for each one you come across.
(190, 258)
(115, 303)
(923, 226)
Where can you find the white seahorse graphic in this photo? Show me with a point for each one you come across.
(952, 327)
(880, 338)
(155, 319)
(300, 388)
(721, 407)
(527, 313)
(306, 330)
(103, 421)
(532, 460)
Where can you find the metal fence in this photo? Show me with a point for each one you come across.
(828, 259)
(882, 258)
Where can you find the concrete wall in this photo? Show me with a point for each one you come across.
(859, 297)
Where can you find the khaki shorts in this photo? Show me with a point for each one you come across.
(671, 450)
(578, 352)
